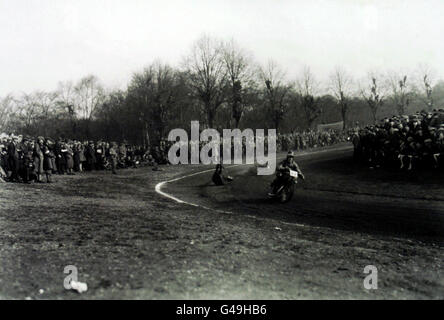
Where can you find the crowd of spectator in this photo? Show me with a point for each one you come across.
(36, 159)
(302, 140)
(406, 142)
(27, 159)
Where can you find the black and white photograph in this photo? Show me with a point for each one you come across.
(236, 150)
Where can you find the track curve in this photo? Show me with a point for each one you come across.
(321, 201)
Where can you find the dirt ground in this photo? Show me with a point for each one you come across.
(129, 242)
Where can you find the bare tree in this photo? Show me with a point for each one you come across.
(341, 86)
(89, 94)
(140, 100)
(46, 103)
(426, 81)
(276, 91)
(164, 96)
(373, 94)
(28, 110)
(237, 64)
(153, 94)
(208, 75)
(66, 98)
(6, 110)
(428, 92)
(401, 92)
(114, 114)
(307, 88)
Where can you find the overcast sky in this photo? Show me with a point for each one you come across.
(46, 41)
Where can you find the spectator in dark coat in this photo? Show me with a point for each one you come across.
(90, 157)
(48, 160)
(13, 158)
(38, 158)
(69, 154)
(60, 157)
(28, 161)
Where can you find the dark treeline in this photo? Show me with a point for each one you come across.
(220, 85)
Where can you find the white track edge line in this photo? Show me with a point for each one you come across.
(158, 187)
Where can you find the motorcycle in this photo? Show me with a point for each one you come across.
(282, 188)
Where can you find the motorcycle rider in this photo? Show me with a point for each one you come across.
(289, 163)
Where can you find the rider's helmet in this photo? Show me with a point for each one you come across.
(290, 155)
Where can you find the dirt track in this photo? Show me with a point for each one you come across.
(129, 242)
(342, 218)
(331, 198)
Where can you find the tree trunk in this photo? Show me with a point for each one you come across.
(236, 122)
(210, 116)
(147, 135)
(276, 124)
(88, 131)
(374, 116)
